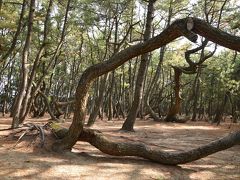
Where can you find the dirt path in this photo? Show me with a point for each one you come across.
(86, 162)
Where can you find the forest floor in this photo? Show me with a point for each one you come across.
(29, 161)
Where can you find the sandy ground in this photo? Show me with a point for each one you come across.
(28, 161)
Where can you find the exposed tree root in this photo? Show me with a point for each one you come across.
(106, 145)
(30, 127)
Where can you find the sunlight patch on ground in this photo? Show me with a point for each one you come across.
(20, 173)
(86, 162)
(190, 127)
(47, 159)
(156, 174)
(201, 166)
(5, 126)
(203, 175)
(97, 171)
(65, 169)
(230, 167)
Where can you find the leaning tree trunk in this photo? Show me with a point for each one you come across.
(24, 69)
(175, 30)
(153, 85)
(47, 104)
(98, 103)
(138, 94)
(27, 97)
(106, 145)
(17, 33)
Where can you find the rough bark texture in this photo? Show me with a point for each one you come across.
(175, 30)
(104, 144)
(138, 93)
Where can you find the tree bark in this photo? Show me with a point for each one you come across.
(106, 145)
(110, 98)
(174, 110)
(138, 94)
(153, 85)
(25, 68)
(99, 101)
(28, 102)
(196, 89)
(175, 30)
(47, 104)
(25, 103)
(220, 109)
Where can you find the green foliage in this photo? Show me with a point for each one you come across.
(224, 69)
(90, 39)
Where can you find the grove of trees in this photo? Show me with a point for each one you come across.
(167, 60)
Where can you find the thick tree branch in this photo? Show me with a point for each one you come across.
(175, 30)
(108, 146)
(216, 35)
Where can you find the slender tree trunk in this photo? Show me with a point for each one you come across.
(175, 109)
(196, 94)
(26, 102)
(29, 99)
(138, 94)
(158, 71)
(220, 109)
(25, 67)
(123, 97)
(110, 98)
(17, 33)
(47, 103)
(99, 101)
(153, 84)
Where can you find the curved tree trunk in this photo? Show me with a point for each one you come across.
(158, 71)
(104, 144)
(175, 30)
(174, 110)
(153, 84)
(107, 146)
(53, 117)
